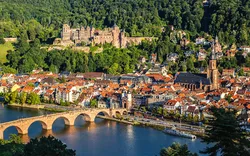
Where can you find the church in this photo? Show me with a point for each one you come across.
(206, 82)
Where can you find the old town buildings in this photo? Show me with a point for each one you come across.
(128, 91)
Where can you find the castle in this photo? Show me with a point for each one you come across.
(89, 35)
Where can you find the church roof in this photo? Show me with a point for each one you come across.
(192, 78)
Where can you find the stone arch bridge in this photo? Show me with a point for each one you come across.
(22, 125)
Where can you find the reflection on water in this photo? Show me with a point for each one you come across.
(59, 129)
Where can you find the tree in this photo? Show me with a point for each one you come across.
(93, 103)
(47, 146)
(114, 69)
(33, 99)
(12, 146)
(189, 117)
(23, 98)
(176, 149)
(143, 109)
(225, 135)
(2, 41)
(14, 97)
(63, 80)
(159, 110)
(196, 118)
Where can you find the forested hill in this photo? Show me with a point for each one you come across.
(230, 19)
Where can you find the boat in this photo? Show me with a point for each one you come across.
(174, 131)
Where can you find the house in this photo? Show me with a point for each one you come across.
(67, 94)
(188, 53)
(102, 103)
(201, 55)
(192, 109)
(64, 74)
(49, 81)
(153, 58)
(219, 55)
(200, 40)
(184, 42)
(231, 53)
(172, 57)
(246, 70)
(28, 89)
(84, 99)
(3, 89)
(228, 72)
(140, 100)
(14, 87)
(158, 69)
(94, 75)
(49, 95)
(142, 59)
(171, 105)
(10, 78)
(245, 48)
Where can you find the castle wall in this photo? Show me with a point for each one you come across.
(109, 35)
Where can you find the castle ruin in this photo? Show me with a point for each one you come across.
(93, 36)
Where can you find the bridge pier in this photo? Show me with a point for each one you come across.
(89, 118)
(1, 135)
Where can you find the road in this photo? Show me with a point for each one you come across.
(180, 126)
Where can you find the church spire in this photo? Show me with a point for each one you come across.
(213, 56)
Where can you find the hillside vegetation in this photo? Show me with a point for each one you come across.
(230, 19)
(3, 51)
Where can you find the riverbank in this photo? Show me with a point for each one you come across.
(117, 120)
(56, 109)
(26, 106)
(45, 107)
(145, 124)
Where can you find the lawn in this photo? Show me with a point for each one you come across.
(3, 51)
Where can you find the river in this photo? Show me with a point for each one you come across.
(101, 137)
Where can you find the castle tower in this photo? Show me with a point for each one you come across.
(212, 71)
(116, 36)
(129, 100)
(66, 32)
(123, 40)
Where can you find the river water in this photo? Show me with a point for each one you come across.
(101, 137)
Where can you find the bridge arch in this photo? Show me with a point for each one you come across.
(104, 112)
(86, 116)
(118, 113)
(124, 112)
(67, 121)
(19, 130)
(44, 124)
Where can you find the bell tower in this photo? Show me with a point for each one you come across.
(212, 71)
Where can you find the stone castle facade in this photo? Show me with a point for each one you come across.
(113, 35)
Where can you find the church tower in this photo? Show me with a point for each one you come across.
(212, 71)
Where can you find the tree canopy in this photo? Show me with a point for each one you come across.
(224, 135)
(45, 146)
(229, 19)
(176, 149)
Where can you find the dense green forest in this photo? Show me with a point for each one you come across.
(230, 19)
(41, 22)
